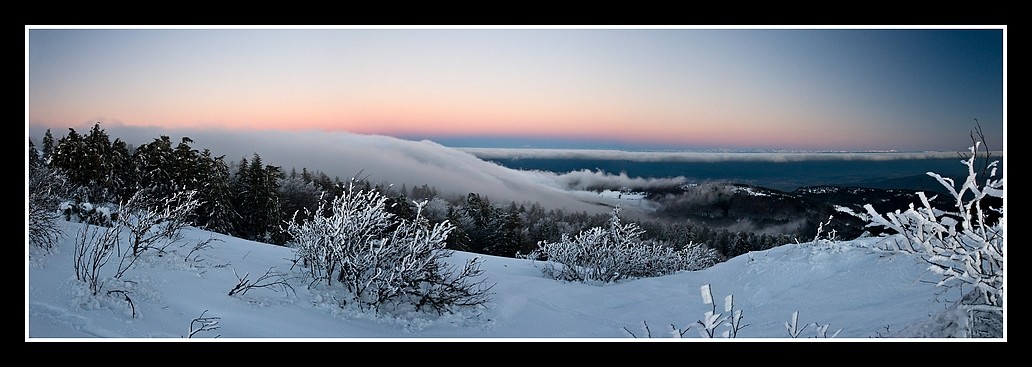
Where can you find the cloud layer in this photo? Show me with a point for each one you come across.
(721, 156)
(381, 159)
(599, 181)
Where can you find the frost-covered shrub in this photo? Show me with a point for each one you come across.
(150, 218)
(383, 260)
(94, 246)
(961, 245)
(617, 252)
(146, 218)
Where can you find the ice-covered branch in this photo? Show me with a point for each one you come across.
(963, 245)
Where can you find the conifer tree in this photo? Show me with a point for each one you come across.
(121, 159)
(87, 162)
(155, 167)
(258, 200)
(187, 165)
(48, 147)
(297, 195)
(241, 190)
(216, 211)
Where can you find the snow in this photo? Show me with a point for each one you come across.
(748, 191)
(628, 200)
(847, 210)
(852, 285)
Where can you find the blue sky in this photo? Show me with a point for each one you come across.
(668, 88)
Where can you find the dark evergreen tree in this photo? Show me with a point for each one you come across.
(458, 239)
(490, 230)
(258, 201)
(48, 147)
(508, 238)
(88, 165)
(34, 158)
(476, 223)
(241, 190)
(65, 158)
(101, 169)
(121, 159)
(187, 165)
(327, 185)
(423, 192)
(155, 167)
(401, 207)
(216, 211)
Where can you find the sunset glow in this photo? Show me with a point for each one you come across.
(850, 89)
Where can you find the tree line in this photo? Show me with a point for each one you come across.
(249, 199)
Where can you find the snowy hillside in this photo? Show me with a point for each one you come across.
(853, 286)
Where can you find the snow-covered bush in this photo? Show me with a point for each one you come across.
(146, 219)
(962, 245)
(614, 253)
(383, 260)
(93, 248)
(149, 218)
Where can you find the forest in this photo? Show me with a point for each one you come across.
(87, 175)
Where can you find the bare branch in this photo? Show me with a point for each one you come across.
(200, 246)
(201, 323)
(127, 299)
(271, 279)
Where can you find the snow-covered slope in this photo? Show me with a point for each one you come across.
(850, 285)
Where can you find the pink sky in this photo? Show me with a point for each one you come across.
(672, 87)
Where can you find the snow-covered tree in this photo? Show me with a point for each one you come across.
(963, 245)
(91, 163)
(257, 199)
(383, 260)
(296, 195)
(48, 147)
(154, 165)
(216, 211)
(486, 229)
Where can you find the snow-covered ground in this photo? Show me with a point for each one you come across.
(852, 286)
